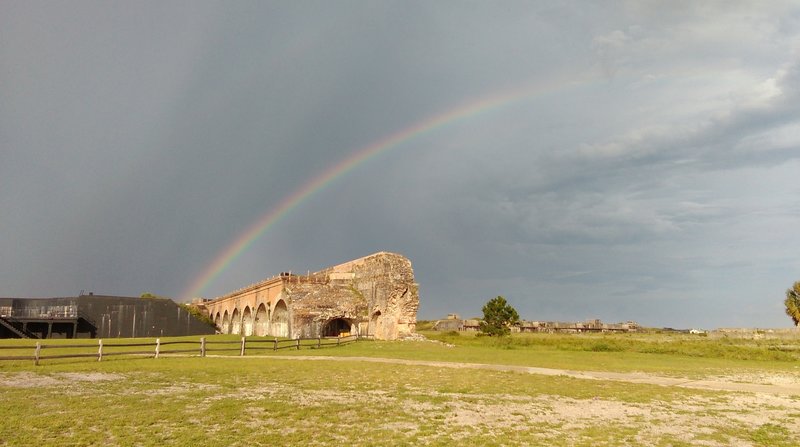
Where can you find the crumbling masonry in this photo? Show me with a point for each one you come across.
(374, 296)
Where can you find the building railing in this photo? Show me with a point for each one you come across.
(155, 349)
(48, 312)
(86, 318)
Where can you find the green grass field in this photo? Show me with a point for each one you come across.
(266, 400)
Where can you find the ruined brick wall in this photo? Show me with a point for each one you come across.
(386, 280)
(375, 295)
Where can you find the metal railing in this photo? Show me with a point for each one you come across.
(48, 312)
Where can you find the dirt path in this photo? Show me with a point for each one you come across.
(635, 377)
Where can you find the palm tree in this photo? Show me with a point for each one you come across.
(792, 303)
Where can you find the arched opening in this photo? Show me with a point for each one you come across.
(280, 320)
(236, 322)
(226, 324)
(247, 322)
(262, 321)
(336, 327)
(218, 322)
(374, 323)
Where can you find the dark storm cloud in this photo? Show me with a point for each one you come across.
(652, 179)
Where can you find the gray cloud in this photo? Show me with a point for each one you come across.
(653, 179)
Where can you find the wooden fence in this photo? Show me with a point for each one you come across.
(157, 348)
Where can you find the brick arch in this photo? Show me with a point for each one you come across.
(262, 321)
(279, 322)
(336, 327)
(247, 322)
(226, 323)
(218, 321)
(236, 321)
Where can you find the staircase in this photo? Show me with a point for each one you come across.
(21, 333)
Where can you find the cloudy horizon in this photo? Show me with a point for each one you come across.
(642, 164)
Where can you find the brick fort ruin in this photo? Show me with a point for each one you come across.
(371, 296)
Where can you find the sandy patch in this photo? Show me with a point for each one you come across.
(33, 380)
(774, 383)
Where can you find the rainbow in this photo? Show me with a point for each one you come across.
(468, 110)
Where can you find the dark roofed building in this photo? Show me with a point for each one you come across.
(91, 316)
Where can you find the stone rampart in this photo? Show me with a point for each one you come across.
(371, 296)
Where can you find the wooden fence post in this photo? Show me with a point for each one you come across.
(202, 346)
(100, 350)
(241, 353)
(158, 346)
(319, 342)
(275, 344)
(338, 339)
(298, 343)
(36, 353)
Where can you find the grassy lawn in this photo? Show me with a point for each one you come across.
(270, 401)
(671, 355)
(683, 356)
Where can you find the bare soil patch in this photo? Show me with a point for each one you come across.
(782, 384)
(33, 380)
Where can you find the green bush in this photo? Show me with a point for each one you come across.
(197, 314)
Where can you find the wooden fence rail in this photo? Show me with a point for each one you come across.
(156, 348)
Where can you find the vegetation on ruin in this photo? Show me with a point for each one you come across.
(193, 310)
(151, 296)
(197, 313)
(363, 307)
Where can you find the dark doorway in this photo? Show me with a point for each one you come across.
(336, 327)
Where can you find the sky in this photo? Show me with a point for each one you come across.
(613, 160)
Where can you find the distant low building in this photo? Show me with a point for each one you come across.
(92, 316)
(448, 324)
(593, 325)
(454, 323)
(472, 325)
